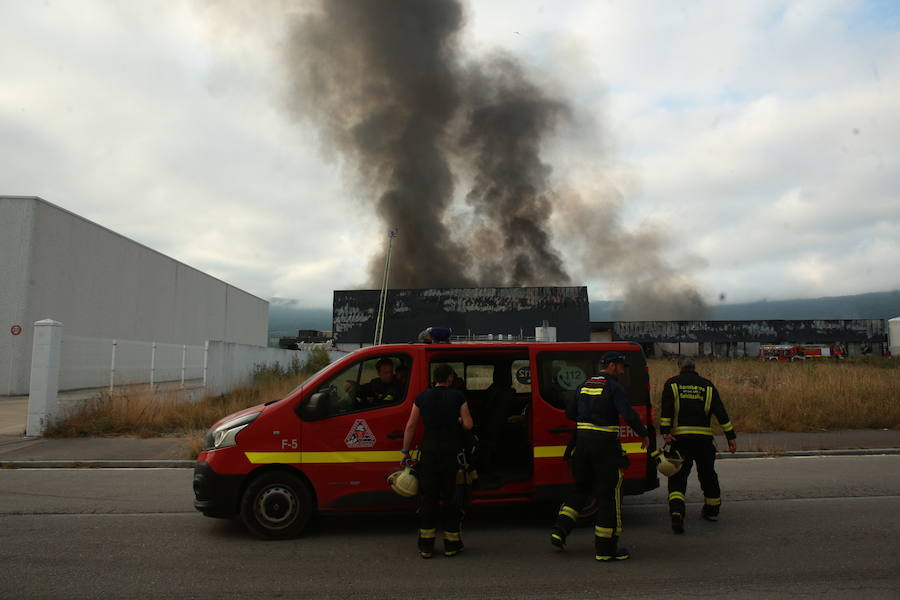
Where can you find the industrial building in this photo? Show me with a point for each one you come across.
(743, 338)
(472, 313)
(511, 314)
(99, 284)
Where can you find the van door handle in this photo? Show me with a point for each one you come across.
(395, 435)
(562, 430)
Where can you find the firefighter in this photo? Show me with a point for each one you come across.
(445, 413)
(384, 389)
(598, 459)
(688, 402)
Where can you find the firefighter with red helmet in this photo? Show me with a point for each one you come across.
(688, 403)
(599, 459)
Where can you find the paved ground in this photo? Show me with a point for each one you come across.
(819, 527)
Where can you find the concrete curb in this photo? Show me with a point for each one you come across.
(189, 464)
(96, 464)
(789, 453)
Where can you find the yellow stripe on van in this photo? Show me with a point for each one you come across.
(348, 456)
(558, 451)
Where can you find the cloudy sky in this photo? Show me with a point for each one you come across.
(761, 138)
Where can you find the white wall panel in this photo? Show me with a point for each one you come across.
(100, 284)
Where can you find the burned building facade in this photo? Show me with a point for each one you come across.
(472, 313)
(743, 338)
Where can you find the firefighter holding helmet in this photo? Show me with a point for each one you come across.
(599, 459)
(688, 403)
(445, 414)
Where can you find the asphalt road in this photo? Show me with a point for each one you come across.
(823, 527)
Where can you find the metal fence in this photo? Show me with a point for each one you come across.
(97, 362)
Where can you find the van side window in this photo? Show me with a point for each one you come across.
(561, 373)
(366, 385)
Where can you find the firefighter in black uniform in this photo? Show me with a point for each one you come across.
(688, 402)
(445, 413)
(384, 389)
(599, 459)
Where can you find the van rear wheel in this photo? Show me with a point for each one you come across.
(277, 505)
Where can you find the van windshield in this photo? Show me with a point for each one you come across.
(561, 374)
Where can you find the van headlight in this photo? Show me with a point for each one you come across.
(224, 435)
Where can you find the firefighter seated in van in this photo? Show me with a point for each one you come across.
(384, 389)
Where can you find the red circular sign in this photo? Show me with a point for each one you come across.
(15, 329)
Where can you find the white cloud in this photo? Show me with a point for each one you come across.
(759, 136)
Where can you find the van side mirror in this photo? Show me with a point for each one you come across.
(314, 406)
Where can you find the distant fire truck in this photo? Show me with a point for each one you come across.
(789, 352)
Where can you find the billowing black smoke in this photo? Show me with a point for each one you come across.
(385, 83)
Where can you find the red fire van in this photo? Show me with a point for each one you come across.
(328, 445)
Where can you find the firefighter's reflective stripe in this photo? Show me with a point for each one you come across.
(727, 426)
(677, 397)
(568, 511)
(558, 451)
(592, 391)
(603, 428)
(708, 404)
(604, 532)
(712, 501)
(619, 505)
(426, 534)
(666, 421)
(676, 496)
(684, 429)
(451, 536)
(346, 456)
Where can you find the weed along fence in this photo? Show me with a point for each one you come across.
(62, 363)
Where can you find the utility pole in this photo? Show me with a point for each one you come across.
(382, 300)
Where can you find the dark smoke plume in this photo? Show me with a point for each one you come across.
(508, 117)
(385, 84)
(379, 79)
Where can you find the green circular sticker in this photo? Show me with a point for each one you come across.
(569, 378)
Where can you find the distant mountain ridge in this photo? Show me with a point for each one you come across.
(875, 305)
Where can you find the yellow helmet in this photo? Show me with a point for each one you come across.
(668, 462)
(404, 482)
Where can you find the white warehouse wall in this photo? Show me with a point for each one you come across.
(101, 284)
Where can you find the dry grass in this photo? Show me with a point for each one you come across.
(759, 396)
(807, 396)
(142, 413)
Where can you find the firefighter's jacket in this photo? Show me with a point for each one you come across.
(597, 406)
(688, 402)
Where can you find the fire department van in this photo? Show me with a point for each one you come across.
(327, 447)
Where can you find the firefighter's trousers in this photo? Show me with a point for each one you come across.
(437, 481)
(697, 449)
(596, 467)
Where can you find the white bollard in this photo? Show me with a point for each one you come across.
(45, 359)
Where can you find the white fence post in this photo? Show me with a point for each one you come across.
(205, 361)
(112, 367)
(152, 364)
(42, 393)
(183, 362)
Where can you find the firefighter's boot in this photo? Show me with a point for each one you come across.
(607, 549)
(677, 522)
(426, 543)
(710, 510)
(452, 543)
(565, 520)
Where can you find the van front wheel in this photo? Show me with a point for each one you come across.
(277, 505)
